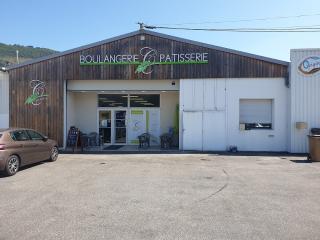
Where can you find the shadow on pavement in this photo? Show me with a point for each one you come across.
(301, 161)
(2, 175)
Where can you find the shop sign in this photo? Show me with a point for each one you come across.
(38, 93)
(146, 58)
(310, 65)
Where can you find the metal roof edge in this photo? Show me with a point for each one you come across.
(141, 31)
(228, 50)
(304, 49)
(59, 54)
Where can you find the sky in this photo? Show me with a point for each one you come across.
(66, 24)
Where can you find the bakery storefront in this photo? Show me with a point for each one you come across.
(211, 98)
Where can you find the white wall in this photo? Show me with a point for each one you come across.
(85, 111)
(219, 99)
(305, 99)
(128, 85)
(258, 140)
(4, 99)
(70, 111)
(168, 103)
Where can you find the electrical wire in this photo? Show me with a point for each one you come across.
(293, 29)
(241, 20)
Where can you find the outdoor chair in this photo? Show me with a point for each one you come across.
(93, 139)
(84, 141)
(144, 140)
(166, 140)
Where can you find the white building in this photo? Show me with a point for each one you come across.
(4, 99)
(213, 97)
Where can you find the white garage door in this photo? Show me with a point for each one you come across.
(203, 105)
(204, 131)
(192, 130)
(214, 131)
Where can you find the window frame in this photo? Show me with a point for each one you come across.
(254, 126)
(127, 102)
(139, 94)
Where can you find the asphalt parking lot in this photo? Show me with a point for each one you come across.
(183, 196)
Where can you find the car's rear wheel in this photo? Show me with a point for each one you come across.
(12, 165)
(54, 154)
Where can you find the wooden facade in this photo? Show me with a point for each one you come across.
(48, 117)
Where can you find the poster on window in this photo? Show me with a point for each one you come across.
(153, 125)
(141, 121)
(137, 125)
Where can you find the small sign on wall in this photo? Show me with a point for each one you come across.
(310, 65)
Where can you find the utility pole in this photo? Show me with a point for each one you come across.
(17, 53)
(141, 25)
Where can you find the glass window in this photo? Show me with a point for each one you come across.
(20, 135)
(145, 100)
(256, 113)
(34, 135)
(112, 100)
(105, 126)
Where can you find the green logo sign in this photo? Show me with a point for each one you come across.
(147, 58)
(38, 93)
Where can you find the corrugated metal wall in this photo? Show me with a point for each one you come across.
(305, 99)
(4, 100)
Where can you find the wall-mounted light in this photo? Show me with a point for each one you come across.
(142, 37)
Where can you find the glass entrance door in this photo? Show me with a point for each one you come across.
(105, 130)
(113, 126)
(120, 126)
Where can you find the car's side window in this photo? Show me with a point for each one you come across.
(34, 135)
(19, 135)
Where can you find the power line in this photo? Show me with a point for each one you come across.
(312, 28)
(241, 20)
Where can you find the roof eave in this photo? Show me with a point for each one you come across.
(161, 35)
(59, 54)
(210, 46)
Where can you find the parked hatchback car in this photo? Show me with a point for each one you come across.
(20, 147)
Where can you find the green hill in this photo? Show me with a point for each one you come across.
(8, 53)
